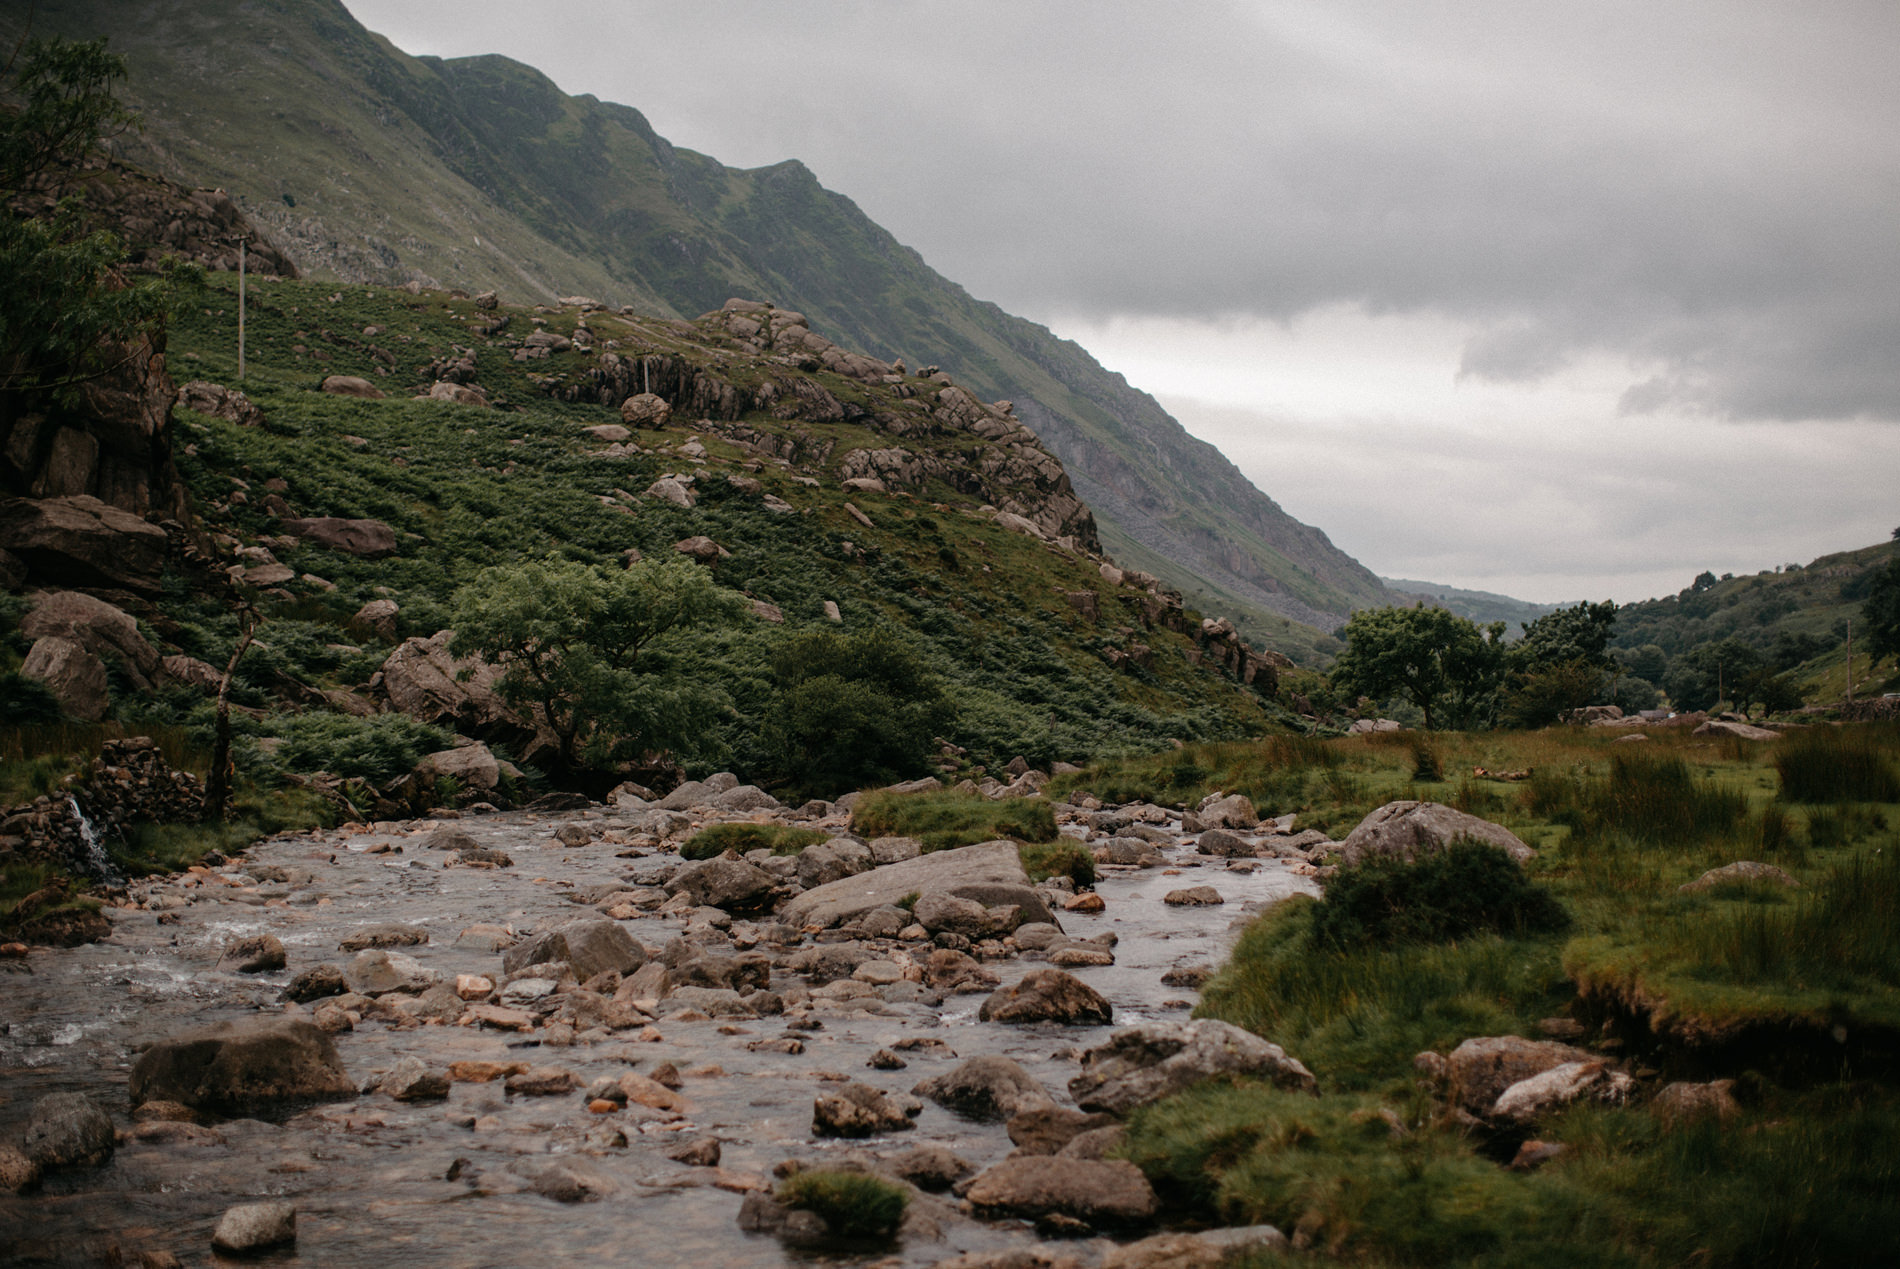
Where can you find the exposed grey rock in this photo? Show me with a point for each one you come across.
(1048, 1128)
(377, 971)
(1547, 1092)
(731, 884)
(81, 541)
(317, 983)
(66, 1130)
(824, 862)
(370, 539)
(1409, 829)
(1225, 845)
(1193, 897)
(392, 934)
(843, 900)
(1102, 1194)
(929, 1167)
(1234, 811)
(895, 850)
(1149, 1062)
(257, 954)
(413, 1081)
(1480, 1069)
(987, 1088)
(254, 1227)
(1047, 995)
(1743, 870)
(859, 1110)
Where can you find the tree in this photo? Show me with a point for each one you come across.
(1441, 662)
(586, 649)
(1881, 612)
(852, 710)
(1706, 675)
(66, 311)
(1559, 665)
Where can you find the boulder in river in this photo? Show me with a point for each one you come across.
(834, 860)
(377, 972)
(987, 1088)
(258, 954)
(67, 1130)
(253, 1227)
(859, 1110)
(250, 1069)
(852, 897)
(1100, 1193)
(1149, 1062)
(1047, 995)
(591, 945)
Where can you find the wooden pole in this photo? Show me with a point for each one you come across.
(1850, 658)
(240, 308)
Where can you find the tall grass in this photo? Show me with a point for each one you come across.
(1843, 929)
(1657, 800)
(780, 839)
(945, 820)
(1830, 764)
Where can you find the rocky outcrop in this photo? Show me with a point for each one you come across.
(590, 947)
(107, 632)
(75, 677)
(79, 540)
(370, 539)
(1409, 829)
(422, 680)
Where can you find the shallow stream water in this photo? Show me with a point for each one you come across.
(371, 1177)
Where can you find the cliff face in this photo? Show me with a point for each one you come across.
(369, 165)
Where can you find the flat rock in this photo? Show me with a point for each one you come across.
(729, 884)
(81, 541)
(1742, 870)
(377, 971)
(243, 1069)
(369, 539)
(1193, 897)
(1151, 1061)
(851, 897)
(1049, 1128)
(1550, 1091)
(1100, 1193)
(388, 935)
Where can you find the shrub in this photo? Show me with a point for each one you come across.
(944, 820)
(852, 710)
(27, 701)
(378, 748)
(780, 839)
(855, 1205)
(1062, 857)
(1467, 888)
(1828, 764)
(1427, 764)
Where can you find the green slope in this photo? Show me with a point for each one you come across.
(370, 165)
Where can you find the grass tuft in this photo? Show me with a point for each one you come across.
(854, 1205)
(780, 839)
(1829, 765)
(945, 819)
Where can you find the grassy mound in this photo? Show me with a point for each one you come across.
(855, 1205)
(1467, 888)
(780, 839)
(947, 819)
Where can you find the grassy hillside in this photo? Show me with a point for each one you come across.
(1481, 606)
(996, 615)
(368, 165)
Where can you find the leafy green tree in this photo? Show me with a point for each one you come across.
(852, 710)
(67, 313)
(586, 649)
(1444, 664)
(1881, 612)
(1559, 665)
(1711, 673)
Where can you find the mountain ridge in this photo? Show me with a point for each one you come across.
(371, 165)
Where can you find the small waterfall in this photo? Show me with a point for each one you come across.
(95, 861)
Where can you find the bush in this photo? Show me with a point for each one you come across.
(1063, 857)
(780, 839)
(379, 748)
(945, 820)
(1467, 888)
(852, 710)
(27, 701)
(1827, 764)
(855, 1205)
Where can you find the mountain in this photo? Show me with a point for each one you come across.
(369, 165)
(1481, 606)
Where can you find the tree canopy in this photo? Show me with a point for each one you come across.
(852, 710)
(1446, 665)
(585, 648)
(1881, 612)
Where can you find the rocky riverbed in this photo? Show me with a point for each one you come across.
(549, 1038)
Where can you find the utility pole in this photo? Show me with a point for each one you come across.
(1850, 658)
(240, 308)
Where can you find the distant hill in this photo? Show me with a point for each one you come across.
(1795, 617)
(1480, 606)
(369, 165)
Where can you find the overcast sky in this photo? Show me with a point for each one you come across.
(1562, 300)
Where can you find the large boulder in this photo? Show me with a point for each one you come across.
(731, 884)
(377, 972)
(371, 539)
(1047, 995)
(110, 633)
(859, 1110)
(987, 1088)
(824, 862)
(423, 681)
(352, 386)
(1149, 1062)
(252, 1069)
(851, 897)
(1479, 1070)
(67, 1130)
(1100, 1193)
(75, 677)
(220, 402)
(1234, 811)
(473, 765)
(250, 1228)
(591, 945)
(81, 541)
(1550, 1091)
(1411, 829)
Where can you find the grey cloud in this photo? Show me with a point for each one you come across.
(1709, 190)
